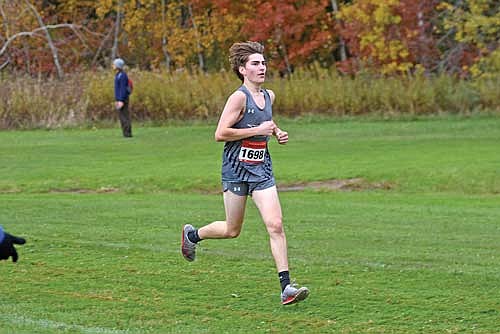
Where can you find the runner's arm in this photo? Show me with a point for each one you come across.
(281, 136)
(231, 114)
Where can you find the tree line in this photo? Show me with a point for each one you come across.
(54, 37)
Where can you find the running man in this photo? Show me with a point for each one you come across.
(245, 126)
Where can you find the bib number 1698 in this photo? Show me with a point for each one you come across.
(252, 151)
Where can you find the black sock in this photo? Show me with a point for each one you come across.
(284, 279)
(193, 236)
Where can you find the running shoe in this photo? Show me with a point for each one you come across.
(292, 294)
(188, 247)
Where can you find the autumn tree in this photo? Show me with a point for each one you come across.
(392, 35)
(33, 39)
(469, 31)
(210, 28)
(293, 31)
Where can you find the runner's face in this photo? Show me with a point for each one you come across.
(255, 68)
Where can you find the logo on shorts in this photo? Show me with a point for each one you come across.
(251, 111)
(236, 188)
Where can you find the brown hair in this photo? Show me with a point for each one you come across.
(239, 53)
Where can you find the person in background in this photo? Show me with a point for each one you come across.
(122, 93)
(7, 248)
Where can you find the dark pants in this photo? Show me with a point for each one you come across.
(125, 120)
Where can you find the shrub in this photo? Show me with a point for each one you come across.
(87, 98)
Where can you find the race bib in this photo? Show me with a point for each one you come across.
(252, 151)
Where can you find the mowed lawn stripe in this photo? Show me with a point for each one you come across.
(103, 229)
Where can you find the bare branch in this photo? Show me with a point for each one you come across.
(101, 46)
(80, 37)
(35, 33)
(55, 57)
(5, 64)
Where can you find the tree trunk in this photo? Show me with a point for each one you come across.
(114, 49)
(343, 53)
(285, 58)
(7, 33)
(282, 50)
(53, 49)
(164, 41)
(32, 33)
(201, 61)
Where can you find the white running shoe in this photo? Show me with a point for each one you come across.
(292, 294)
(188, 248)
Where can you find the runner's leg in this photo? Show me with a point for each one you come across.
(231, 227)
(267, 201)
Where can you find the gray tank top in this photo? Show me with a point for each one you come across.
(248, 160)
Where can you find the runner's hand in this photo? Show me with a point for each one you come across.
(281, 136)
(7, 248)
(266, 128)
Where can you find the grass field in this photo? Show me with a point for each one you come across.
(102, 216)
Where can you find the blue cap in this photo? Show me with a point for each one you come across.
(119, 63)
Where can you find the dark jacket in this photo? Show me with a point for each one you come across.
(121, 86)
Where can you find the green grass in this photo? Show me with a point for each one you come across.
(447, 154)
(102, 216)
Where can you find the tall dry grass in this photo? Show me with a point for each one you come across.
(87, 98)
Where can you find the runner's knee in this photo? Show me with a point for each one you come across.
(275, 226)
(232, 233)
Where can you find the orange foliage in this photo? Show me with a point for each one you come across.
(393, 35)
(293, 31)
(389, 36)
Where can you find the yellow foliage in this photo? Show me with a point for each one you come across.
(375, 18)
(487, 67)
(103, 7)
(477, 24)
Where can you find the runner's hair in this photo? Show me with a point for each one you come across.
(239, 53)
